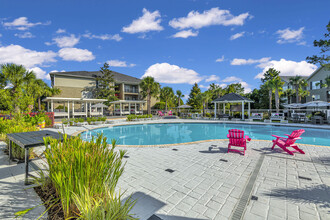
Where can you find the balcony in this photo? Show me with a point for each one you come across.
(131, 90)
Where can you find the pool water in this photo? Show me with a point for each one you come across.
(173, 133)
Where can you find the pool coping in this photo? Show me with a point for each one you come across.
(173, 121)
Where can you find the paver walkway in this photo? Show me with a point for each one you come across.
(205, 184)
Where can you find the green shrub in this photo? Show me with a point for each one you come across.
(159, 105)
(81, 120)
(84, 193)
(208, 114)
(89, 120)
(131, 117)
(103, 119)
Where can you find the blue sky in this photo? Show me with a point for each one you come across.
(179, 42)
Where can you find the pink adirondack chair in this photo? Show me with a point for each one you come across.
(170, 112)
(160, 113)
(284, 143)
(237, 139)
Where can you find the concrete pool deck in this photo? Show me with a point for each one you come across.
(215, 184)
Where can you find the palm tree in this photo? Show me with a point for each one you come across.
(270, 87)
(288, 93)
(166, 94)
(179, 96)
(16, 76)
(204, 98)
(277, 85)
(295, 82)
(149, 88)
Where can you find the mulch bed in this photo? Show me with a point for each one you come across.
(48, 194)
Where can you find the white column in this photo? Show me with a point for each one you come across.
(243, 110)
(90, 109)
(135, 107)
(215, 110)
(224, 108)
(129, 108)
(73, 109)
(68, 109)
(120, 109)
(86, 108)
(102, 110)
(52, 106)
(249, 110)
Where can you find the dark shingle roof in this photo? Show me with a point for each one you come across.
(118, 77)
(232, 97)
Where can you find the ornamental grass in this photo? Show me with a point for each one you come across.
(85, 175)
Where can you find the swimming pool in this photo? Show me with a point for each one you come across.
(174, 133)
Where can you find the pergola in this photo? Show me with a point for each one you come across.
(73, 111)
(231, 98)
(134, 107)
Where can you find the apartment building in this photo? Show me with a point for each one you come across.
(74, 84)
(316, 85)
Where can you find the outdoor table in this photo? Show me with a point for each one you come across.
(27, 140)
(317, 118)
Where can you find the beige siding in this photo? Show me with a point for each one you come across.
(66, 81)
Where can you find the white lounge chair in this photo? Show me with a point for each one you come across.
(257, 116)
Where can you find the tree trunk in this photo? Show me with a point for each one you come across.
(203, 109)
(297, 95)
(149, 104)
(270, 99)
(277, 101)
(39, 104)
(165, 106)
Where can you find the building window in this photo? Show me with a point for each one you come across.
(131, 88)
(316, 85)
(86, 95)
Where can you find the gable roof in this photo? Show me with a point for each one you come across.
(232, 97)
(118, 77)
(315, 72)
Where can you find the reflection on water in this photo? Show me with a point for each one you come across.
(155, 134)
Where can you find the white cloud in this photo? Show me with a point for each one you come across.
(214, 16)
(288, 68)
(234, 79)
(41, 74)
(119, 63)
(29, 58)
(22, 24)
(66, 41)
(220, 59)
(237, 62)
(76, 54)
(237, 35)
(204, 87)
(212, 78)
(115, 37)
(290, 36)
(185, 34)
(173, 74)
(25, 35)
(149, 21)
(60, 31)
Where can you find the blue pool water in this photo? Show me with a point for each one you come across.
(156, 134)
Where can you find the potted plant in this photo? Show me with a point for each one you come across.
(41, 122)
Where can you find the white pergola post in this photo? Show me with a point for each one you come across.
(90, 108)
(72, 109)
(249, 110)
(120, 109)
(215, 110)
(224, 108)
(135, 107)
(102, 110)
(52, 106)
(129, 108)
(243, 110)
(86, 108)
(68, 109)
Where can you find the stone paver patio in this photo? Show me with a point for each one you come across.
(208, 184)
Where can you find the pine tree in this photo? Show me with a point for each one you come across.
(193, 100)
(105, 88)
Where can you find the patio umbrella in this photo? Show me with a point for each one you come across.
(316, 104)
(99, 105)
(184, 106)
(294, 105)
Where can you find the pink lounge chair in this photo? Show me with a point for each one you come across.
(237, 139)
(160, 113)
(284, 143)
(170, 112)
